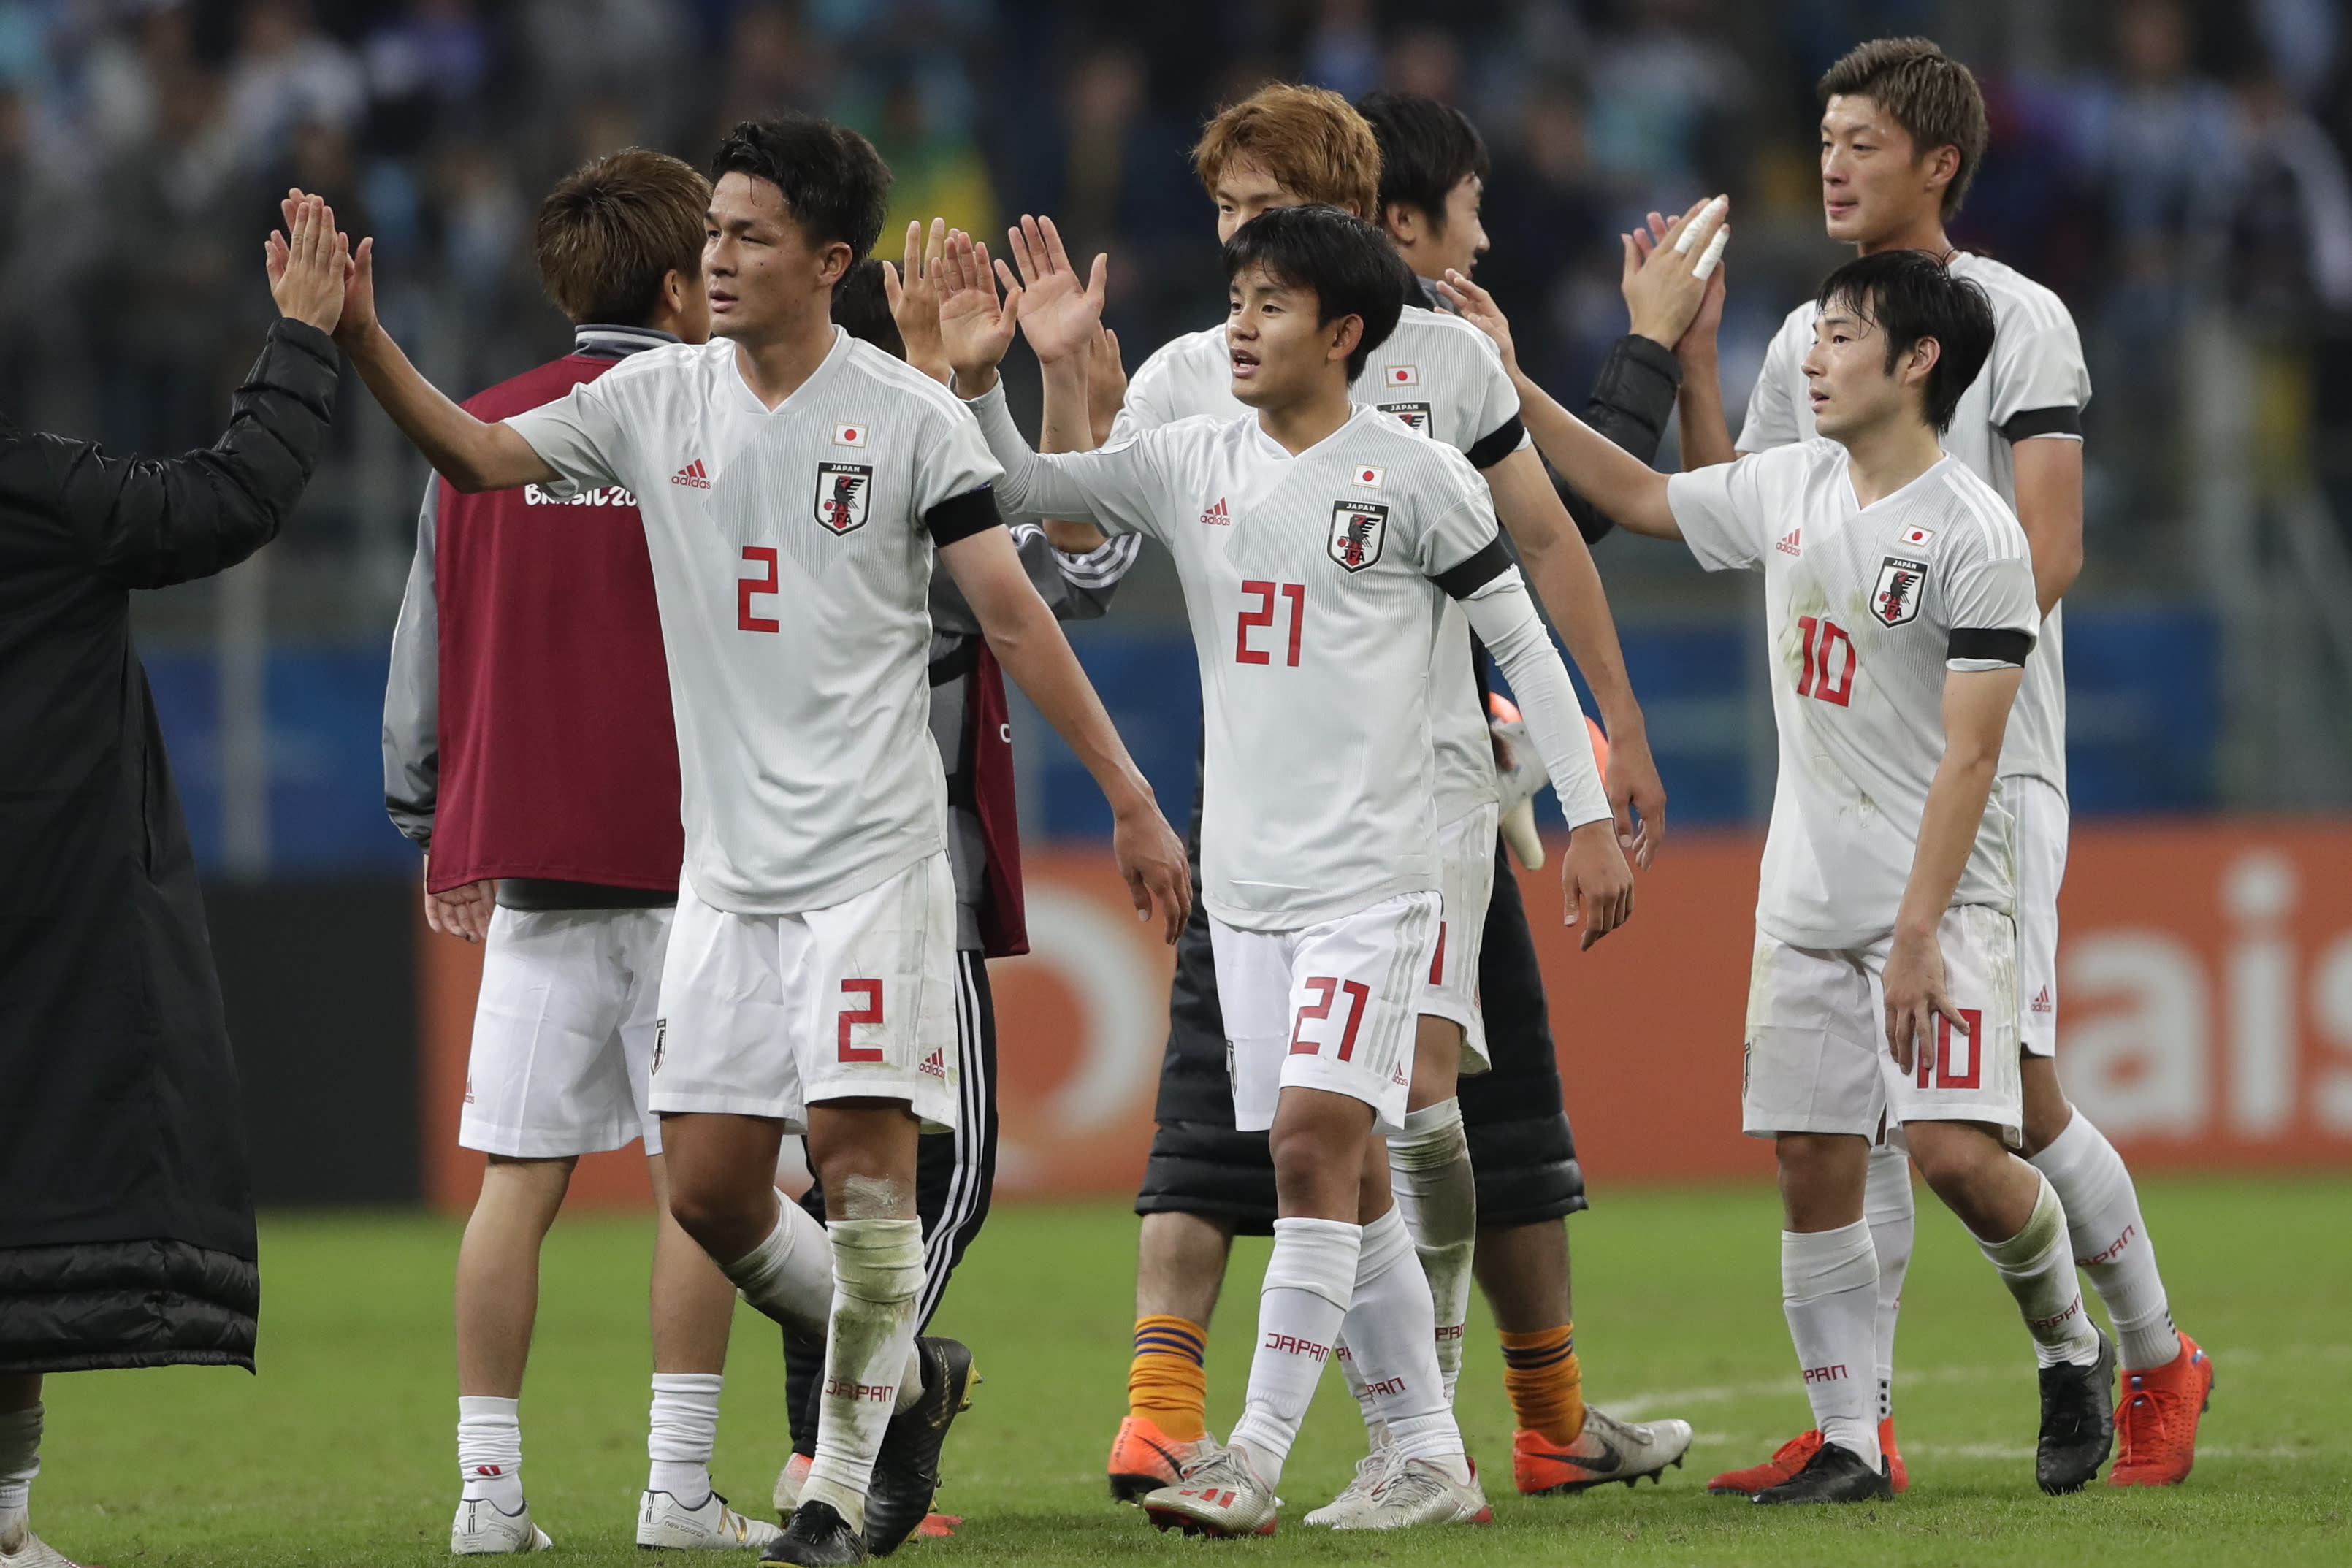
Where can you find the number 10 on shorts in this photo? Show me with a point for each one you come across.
(1941, 1069)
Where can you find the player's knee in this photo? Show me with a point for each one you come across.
(724, 1223)
(1960, 1162)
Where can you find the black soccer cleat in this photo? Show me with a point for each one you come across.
(816, 1536)
(2078, 1422)
(1834, 1474)
(907, 1470)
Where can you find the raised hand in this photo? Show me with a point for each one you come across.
(1479, 308)
(1106, 383)
(308, 264)
(914, 293)
(975, 325)
(1060, 316)
(1668, 270)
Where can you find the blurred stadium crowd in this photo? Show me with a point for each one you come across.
(2175, 168)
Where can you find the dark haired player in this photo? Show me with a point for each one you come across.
(528, 750)
(794, 485)
(1317, 539)
(1285, 146)
(1903, 130)
(1899, 614)
(897, 312)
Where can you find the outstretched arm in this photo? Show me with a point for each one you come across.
(471, 455)
(1976, 715)
(1029, 644)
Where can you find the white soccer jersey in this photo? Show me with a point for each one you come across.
(792, 554)
(1865, 609)
(1445, 379)
(2034, 384)
(1313, 584)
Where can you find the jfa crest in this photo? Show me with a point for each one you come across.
(1901, 585)
(1359, 530)
(1415, 415)
(841, 495)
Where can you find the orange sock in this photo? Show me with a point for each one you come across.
(1166, 1384)
(1546, 1384)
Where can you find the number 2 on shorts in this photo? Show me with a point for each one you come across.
(1358, 995)
(870, 1013)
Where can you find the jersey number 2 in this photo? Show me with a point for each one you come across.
(1264, 593)
(870, 1013)
(1829, 661)
(745, 586)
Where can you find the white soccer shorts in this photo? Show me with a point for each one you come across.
(564, 1032)
(1329, 1007)
(766, 1015)
(1466, 881)
(2040, 810)
(1817, 1058)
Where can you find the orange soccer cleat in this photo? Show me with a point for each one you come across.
(1143, 1459)
(2156, 1420)
(1795, 1454)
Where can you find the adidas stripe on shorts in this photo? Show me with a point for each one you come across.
(2040, 810)
(765, 1015)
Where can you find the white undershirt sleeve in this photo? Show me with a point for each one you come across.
(1504, 618)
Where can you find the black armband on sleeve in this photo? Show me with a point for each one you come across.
(2006, 644)
(1491, 561)
(2033, 422)
(960, 516)
(1497, 443)
(1633, 400)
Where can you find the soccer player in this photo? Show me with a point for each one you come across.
(794, 485)
(1316, 539)
(1903, 130)
(956, 1171)
(1283, 147)
(1899, 615)
(528, 750)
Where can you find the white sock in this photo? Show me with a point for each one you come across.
(2038, 1267)
(878, 1266)
(1439, 1196)
(1829, 1292)
(680, 1433)
(490, 1449)
(1888, 1209)
(1310, 1282)
(789, 1276)
(1390, 1323)
(20, 1461)
(2110, 1241)
(1376, 1433)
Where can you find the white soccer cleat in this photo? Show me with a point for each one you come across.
(1219, 1495)
(20, 1548)
(481, 1530)
(787, 1495)
(665, 1522)
(1370, 1471)
(1417, 1492)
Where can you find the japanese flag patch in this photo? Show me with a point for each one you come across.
(1400, 375)
(849, 434)
(1370, 477)
(1916, 538)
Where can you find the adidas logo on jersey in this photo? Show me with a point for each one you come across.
(1788, 544)
(2041, 1001)
(936, 1066)
(1216, 517)
(693, 473)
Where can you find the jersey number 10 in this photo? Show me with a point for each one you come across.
(1829, 661)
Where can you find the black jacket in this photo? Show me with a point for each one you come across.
(126, 1213)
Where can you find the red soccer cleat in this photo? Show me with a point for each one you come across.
(2156, 1420)
(1795, 1454)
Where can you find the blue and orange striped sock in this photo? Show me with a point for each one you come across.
(1546, 1384)
(1167, 1384)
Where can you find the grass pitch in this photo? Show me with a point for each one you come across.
(342, 1450)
